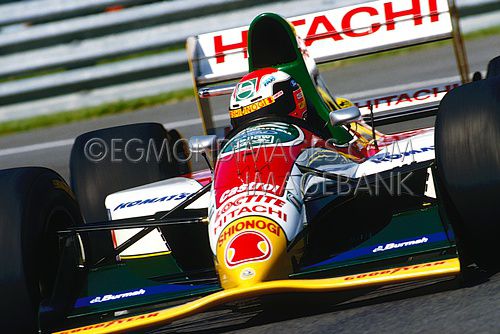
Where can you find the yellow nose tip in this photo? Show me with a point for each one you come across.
(250, 250)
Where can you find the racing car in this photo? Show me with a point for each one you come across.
(301, 195)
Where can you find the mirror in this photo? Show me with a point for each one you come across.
(477, 76)
(207, 144)
(345, 116)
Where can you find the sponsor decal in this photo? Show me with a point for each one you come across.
(247, 246)
(392, 245)
(251, 187)
(263, 135)
(252, 204)
(246, 90)
(109, 297)
(299, 98)
(147, 291)
(418, 96)
(278, 94)
(270, 79)
(176, 197)
(393, 271)
(248, 210)
(370, 251)
(386, 156)
(110, 324)
(247, 273)
(337, 27)
(249, 200)
(251, 107)
(250, 223)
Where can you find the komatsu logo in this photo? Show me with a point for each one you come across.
(386, 156)
(110, 297)
(393, 245)
(176, 197)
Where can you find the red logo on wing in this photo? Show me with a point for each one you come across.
(247, 246)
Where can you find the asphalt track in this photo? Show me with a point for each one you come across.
(450, 306)
(444, 307)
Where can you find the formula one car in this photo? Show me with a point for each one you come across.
(295, 203)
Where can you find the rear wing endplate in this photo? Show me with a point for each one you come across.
(335, 34)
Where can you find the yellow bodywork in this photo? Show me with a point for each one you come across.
(264, 243)
(380, 277)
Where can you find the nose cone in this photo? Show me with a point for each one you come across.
(251, 250)
(248, 246)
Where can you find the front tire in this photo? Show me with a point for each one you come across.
(35, 203)
(468, 166)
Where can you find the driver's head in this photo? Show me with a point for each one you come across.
(264, 92)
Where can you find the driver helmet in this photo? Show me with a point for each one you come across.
(263, 92)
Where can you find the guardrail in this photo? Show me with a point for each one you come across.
(74, 47)
(139, 17)
(86, 53)
(92, 77)
(45, 10)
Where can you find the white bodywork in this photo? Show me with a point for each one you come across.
(147, 200)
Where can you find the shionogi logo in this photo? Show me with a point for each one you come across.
(248, 246)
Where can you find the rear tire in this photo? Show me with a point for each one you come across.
(181, 149)
(468, 166)
(94, 175)
(35, 203)
(493, 68)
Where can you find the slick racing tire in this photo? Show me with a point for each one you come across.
(34, 203)
(493, 68)
(468, 166)
(181, 151)
(113, 159)
(109, 160)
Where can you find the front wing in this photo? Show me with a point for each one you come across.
(426, 270)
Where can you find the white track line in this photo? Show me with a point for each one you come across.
(69, 142)
(36, 147)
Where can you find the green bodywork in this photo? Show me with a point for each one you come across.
(406, 226)
(125, 276)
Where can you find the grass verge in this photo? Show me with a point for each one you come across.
(117, 107)
(31, 123)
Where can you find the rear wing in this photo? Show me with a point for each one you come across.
(335, 34)
(404, 105)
